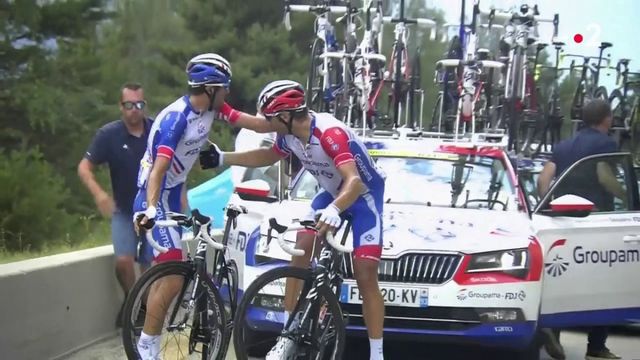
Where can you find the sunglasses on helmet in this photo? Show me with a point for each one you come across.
(131, 104)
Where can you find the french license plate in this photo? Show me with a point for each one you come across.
(392, 295)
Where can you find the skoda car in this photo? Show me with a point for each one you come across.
(471, 252)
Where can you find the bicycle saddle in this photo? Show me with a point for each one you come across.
(605, 45)
(558, 43)
(530, 41)
(541, 46)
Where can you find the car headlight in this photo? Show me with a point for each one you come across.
(509, 261)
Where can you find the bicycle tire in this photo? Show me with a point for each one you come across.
(231, 278)
(270, 276)
(315, 82)
(601, 93)
(577, 102)
(437, 114)
(617, 108)
(414, 103)
(634, 125)
(398, 52)
(514, 121)
(187, 270)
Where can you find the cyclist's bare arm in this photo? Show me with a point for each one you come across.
(184, 202)
(253, 158)
(154, 183)
(352, 187)
(256, 123)
(546, 176)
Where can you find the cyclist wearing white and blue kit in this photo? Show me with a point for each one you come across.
(175, 140)
(351, 185)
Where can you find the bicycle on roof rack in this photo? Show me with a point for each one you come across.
(325, 82)
(588, 85)
(471, 72)
(553, 117)
(625, 104)
(405, 96)
(519, 98)
(361, 70)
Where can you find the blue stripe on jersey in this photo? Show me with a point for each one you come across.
(366, 169)
(172, 129)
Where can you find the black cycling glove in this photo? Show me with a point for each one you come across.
(211, 158)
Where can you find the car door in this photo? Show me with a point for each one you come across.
(592, 263)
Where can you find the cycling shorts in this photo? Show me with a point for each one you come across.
(366, 222)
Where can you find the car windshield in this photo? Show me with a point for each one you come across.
(437, 180)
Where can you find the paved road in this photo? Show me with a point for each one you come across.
(624, 343)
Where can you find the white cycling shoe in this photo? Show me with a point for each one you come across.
(281, 350)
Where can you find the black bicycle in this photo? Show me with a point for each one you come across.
(553, 117)
(199, 315)
(588, 87)
(625, 106)
(316, 328)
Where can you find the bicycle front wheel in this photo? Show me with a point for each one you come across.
(317, 334)
(190, 326)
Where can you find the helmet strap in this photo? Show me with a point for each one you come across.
(212, 96)
(289, 124)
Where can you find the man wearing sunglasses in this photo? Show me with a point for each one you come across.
(175, 140)
(120, 144)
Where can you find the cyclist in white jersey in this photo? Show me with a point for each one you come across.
(351, 185)
(175, 140)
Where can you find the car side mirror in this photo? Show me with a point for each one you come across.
(569, 205)
(255, 190)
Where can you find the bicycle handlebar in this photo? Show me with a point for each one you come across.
(342, 54)
(456, 62)
(419, 21)
(318, 9)
(178, 219)
(282, 229)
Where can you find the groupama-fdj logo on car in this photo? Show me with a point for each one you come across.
(464, 294)
(580, 255)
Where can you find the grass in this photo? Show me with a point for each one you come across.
(101, 235)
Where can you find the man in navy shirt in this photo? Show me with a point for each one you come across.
(120, 144)
(596, 183)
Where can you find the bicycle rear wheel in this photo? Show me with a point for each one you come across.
(259, 320)
(315, 80)
(415, 94)
(188, 327)
(398, 83)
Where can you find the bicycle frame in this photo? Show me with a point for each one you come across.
(326, 271)
(325, 32)
(470, 87)
(399, 71)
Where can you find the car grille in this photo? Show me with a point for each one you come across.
(413, 268)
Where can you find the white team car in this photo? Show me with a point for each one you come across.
(470, 253)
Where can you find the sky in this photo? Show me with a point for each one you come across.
(614, 21)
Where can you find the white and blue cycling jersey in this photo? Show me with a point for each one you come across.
(178, 133)
(331, 145)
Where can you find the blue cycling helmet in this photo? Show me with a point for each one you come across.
(208, 70)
